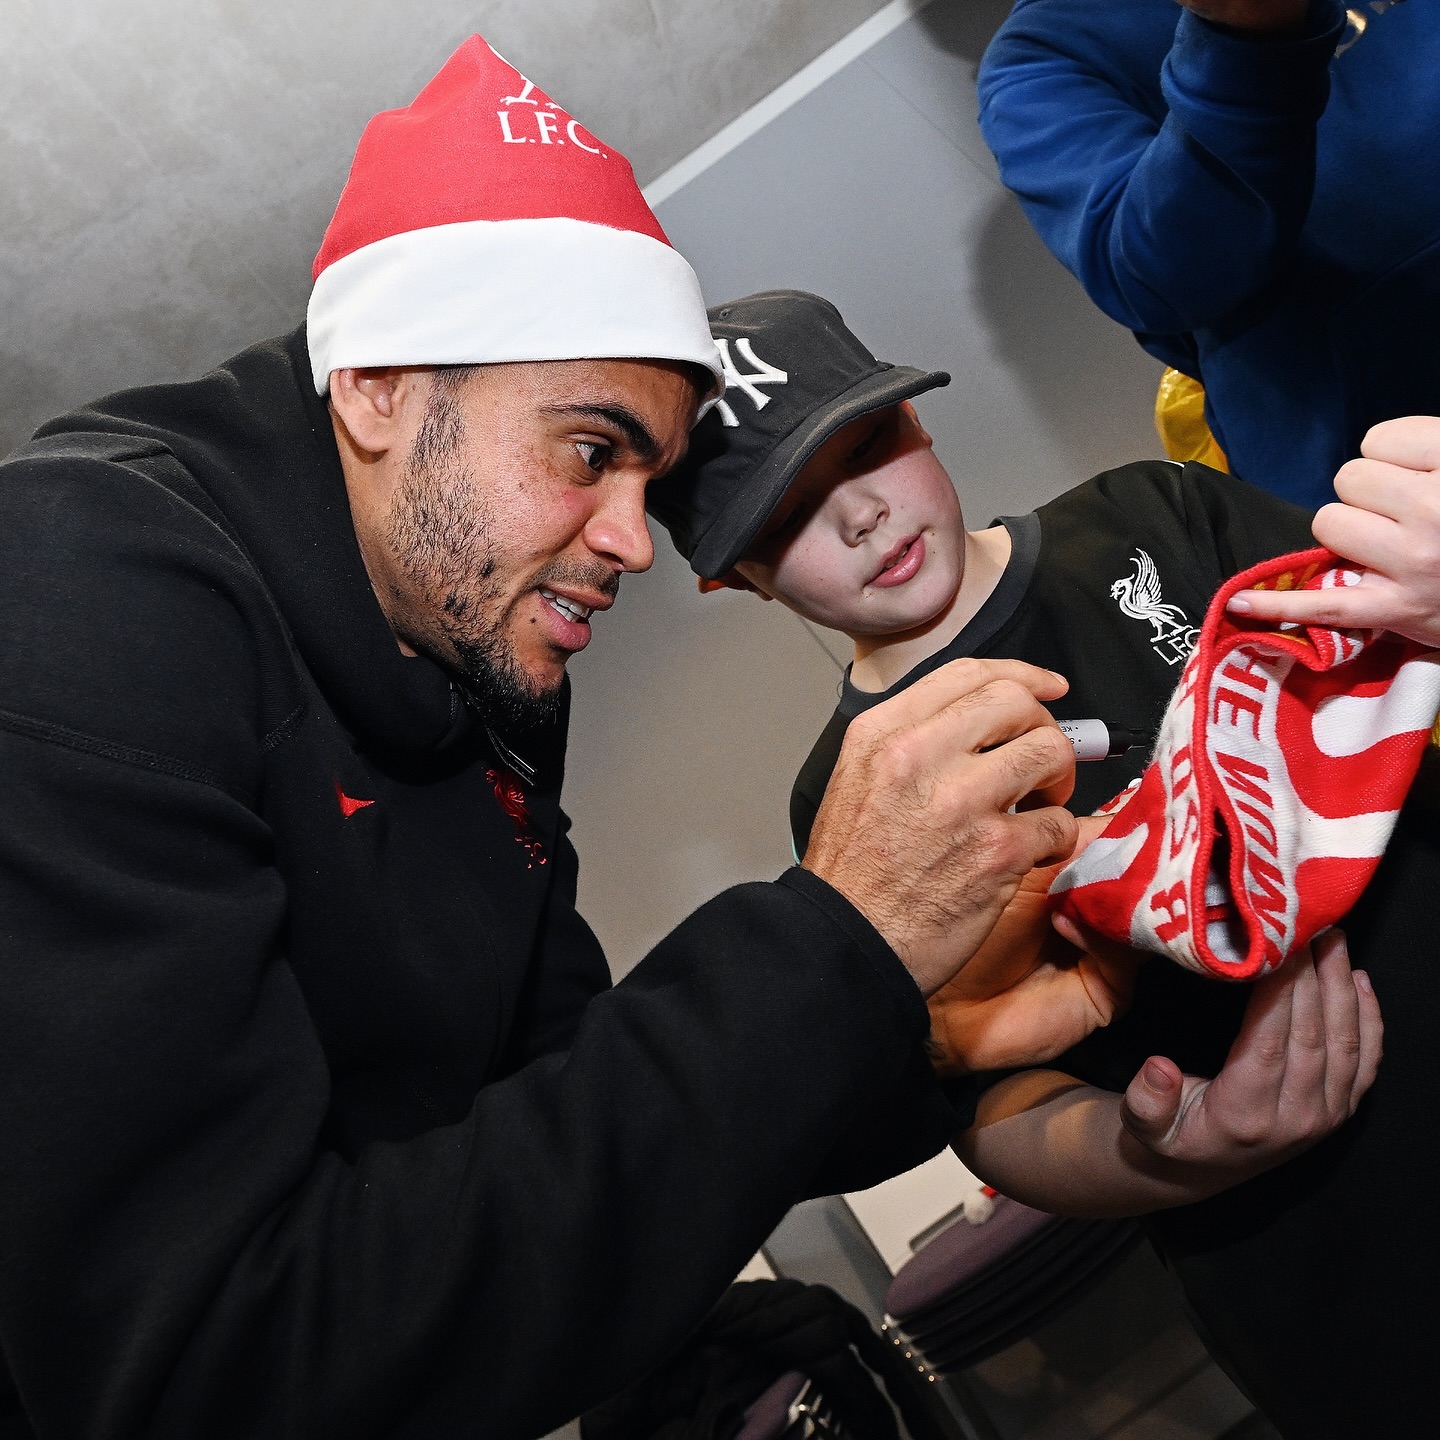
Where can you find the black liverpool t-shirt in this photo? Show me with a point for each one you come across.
(1315, 1281)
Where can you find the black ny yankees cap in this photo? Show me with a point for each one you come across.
(794, 375)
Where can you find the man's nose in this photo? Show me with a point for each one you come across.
(617, 530)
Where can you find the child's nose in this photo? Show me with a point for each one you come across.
(865, 517)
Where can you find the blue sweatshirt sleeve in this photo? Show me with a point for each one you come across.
(1172, 204)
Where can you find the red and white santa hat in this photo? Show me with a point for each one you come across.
(483, 224)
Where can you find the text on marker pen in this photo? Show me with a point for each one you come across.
(1097, 740)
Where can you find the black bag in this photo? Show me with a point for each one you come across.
(761, 1330)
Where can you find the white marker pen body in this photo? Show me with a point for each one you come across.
(1095, 740)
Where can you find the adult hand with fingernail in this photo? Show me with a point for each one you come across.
(915, 829)
(1308, 1050)
(1387, 523)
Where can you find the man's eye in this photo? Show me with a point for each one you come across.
(594, 454)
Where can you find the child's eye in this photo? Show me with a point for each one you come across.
(788, 522)
(594, 454)
(867, 447)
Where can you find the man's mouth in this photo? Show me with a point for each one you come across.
(566, 609)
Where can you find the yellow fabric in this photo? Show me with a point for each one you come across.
(1180, 419)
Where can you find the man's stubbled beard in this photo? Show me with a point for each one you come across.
(443, 538)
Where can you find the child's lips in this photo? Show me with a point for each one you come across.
(901, 563)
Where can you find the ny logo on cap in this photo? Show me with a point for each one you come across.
(762, 374)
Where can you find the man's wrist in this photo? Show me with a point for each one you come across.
(887, 966)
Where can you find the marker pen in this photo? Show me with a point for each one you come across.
(1097, 740)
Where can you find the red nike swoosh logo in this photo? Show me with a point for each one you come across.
(348, 803)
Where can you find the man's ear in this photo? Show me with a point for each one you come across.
(732, 580)
(372, 404)
(914, 416)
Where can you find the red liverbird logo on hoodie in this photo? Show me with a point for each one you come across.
(511, 795)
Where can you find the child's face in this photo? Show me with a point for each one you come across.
(869, 538)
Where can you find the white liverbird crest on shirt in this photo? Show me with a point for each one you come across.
(1172, 636)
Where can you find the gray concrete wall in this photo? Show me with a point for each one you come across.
(167, 167)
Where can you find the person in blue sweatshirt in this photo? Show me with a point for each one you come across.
(1253, 188)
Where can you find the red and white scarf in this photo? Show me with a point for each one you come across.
(1280, 767)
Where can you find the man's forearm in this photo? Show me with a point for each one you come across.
(1050, 1141)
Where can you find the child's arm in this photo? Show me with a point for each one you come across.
(1028, 993)
(1307, 1051)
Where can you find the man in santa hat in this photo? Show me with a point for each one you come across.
(321, 1117)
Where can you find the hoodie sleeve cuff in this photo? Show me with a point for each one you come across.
(864, 936)
(1287, 78)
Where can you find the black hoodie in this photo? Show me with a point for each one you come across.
(319, 1117)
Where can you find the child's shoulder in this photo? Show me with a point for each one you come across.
(1196, 515)
(1147, 506)
(1145, 491)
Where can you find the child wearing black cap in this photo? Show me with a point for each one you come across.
(815, 483)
